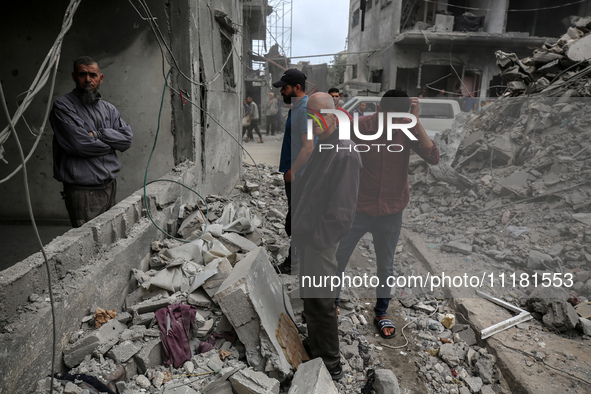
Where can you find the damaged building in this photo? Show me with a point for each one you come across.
(445, 47)
(175, 72)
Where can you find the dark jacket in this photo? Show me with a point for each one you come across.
(79, 158)
(324, 199)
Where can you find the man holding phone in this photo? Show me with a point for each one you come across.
(384, 193)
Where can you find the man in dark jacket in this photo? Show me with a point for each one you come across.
(323, 211)
(87, 132)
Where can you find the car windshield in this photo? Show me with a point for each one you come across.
(436, 111)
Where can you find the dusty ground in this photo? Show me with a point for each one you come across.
(398, 360)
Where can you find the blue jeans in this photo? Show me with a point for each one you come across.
(385, 231)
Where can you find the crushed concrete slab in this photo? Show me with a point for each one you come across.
(248, 381)
(386, 382)
(100, 340)
(152, 304)
(200, 298)
(237, 243)
(123, 351)
(585, 325)
(312, 377)
(179, 390)
(253, 299)
(457, 247)
(474, 384)
(210, 270)
(213, 283)
(150, 356)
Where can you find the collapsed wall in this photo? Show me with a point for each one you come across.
(90, 266)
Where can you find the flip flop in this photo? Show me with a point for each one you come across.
(384, 323)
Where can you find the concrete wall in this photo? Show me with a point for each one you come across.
(90, 267)
(123, 43)
(381, 27)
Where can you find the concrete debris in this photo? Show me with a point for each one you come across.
(248, 381)
(312, 377)
(100, 340)
(552, 69)
(386, 382)
(252, 299)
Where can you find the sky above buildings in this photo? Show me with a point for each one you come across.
(319, 27)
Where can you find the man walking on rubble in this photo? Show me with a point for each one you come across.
(87, 132)
(384, 193)
(323, 211)
(296, 147)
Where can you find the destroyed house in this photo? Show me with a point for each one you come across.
(446, 48)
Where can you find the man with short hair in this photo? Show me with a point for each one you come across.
(334, 92)
(384, 193)
(296, 147)
(253, 117)
(87, 132)
(323, 210)
(361, 109)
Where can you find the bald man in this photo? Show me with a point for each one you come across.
(323, 211)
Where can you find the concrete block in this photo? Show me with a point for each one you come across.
(213, 283)
(199, 298)
(220, 383)
(133, 333)
(144, 319)
(224, 387)
(123, 351)
(386, 382)
(152, 304)
(252, 299)
(108, 227)
(99, 341)
(150, 356)
(179, 390)
(312, 377)
(585, 325)
(237, 243)
(457, 247)
(474, 384)
(249, 381)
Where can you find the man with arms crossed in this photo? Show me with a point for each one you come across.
(87, 132)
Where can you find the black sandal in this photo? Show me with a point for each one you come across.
(384, 323)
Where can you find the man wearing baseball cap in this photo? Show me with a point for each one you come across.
(295, 151)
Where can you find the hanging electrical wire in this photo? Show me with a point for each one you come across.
(174, 65)
(51, 61)
(510, 9)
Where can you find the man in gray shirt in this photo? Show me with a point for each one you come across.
(254, 121)
(87, 132)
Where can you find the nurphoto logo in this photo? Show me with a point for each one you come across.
(345, 129)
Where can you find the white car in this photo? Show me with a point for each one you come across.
(435, 114)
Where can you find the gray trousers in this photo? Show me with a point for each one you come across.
(86, 204)
(319, 304)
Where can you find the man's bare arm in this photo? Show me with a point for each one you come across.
(424, 139)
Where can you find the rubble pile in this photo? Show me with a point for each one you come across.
(553, 69)
(521, 209)
(242, 338)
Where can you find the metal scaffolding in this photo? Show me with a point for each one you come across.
(278, 30)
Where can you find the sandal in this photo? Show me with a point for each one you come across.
(382, 323)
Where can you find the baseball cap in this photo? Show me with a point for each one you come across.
(291, 77)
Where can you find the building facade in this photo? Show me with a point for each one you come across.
(445, 47)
